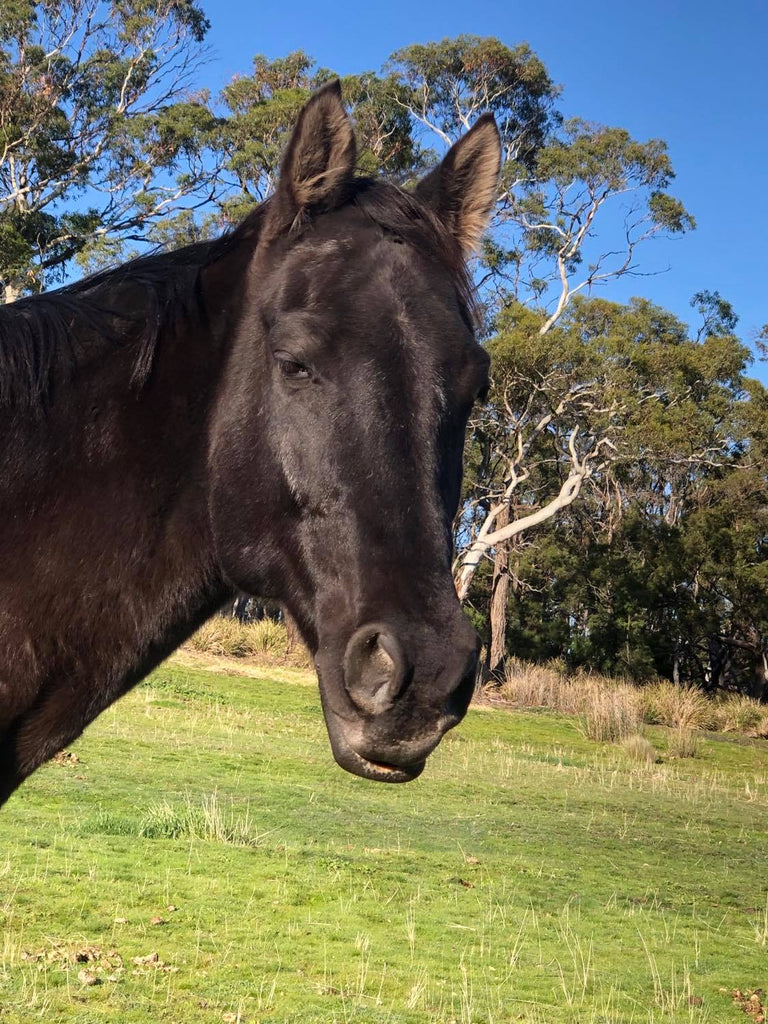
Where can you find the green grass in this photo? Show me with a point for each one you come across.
(531, 873)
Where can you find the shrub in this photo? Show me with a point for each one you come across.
(638, 748)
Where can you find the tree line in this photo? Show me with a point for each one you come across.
(614, 510)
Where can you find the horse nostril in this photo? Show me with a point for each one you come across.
(458, 702)
(374, 668)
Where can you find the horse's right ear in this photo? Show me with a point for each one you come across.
(463, 189)
(319, 160)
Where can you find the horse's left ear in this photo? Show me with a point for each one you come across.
(463, 188)
(319, 160)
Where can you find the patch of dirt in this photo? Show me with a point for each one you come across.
(66, 759)
(95, 965)
(751, 1002)
(102, 965)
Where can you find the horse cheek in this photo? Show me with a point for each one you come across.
(245, 520)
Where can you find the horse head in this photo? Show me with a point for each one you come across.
(336, 451)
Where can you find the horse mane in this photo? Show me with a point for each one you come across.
(45, 338)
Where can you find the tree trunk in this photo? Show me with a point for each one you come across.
(676, 663)
(240, 607)
(720, 666)
(491, 535)
(761, 676)
(10, 292)
(497, 648)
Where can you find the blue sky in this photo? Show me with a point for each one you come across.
(692, 73)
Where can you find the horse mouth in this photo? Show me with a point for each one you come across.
(376, 771)
(348, 758)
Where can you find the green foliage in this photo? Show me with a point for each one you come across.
(661, 568)
(455, 80)
(261, 110)
(386, 144)
(551, 208)
(91, 104)
(100, 106)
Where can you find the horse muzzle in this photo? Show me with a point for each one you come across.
(385, 715)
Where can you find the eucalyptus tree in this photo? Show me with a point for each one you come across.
(100, 136)
(577, 202)
(661, 435)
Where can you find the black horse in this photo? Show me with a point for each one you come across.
(281, 411)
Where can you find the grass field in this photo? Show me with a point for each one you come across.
(198, 858)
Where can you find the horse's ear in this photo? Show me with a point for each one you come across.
(319, 160)
(463, 188)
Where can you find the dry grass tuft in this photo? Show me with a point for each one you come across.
(609, 709)
(611, 713)
(683, 743)
(220, 636)
(737, 713)
(638, 748)
(533, 686)
(678, 707)
(612, 710)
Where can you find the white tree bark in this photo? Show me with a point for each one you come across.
(488, 540)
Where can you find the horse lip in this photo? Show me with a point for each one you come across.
(356, 764)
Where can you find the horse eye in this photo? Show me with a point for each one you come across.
(291, 369)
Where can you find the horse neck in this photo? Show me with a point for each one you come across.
(106, 550)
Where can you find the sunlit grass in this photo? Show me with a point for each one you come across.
(200, 858)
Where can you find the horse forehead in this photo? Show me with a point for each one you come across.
(358, 250)
(390, 293)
